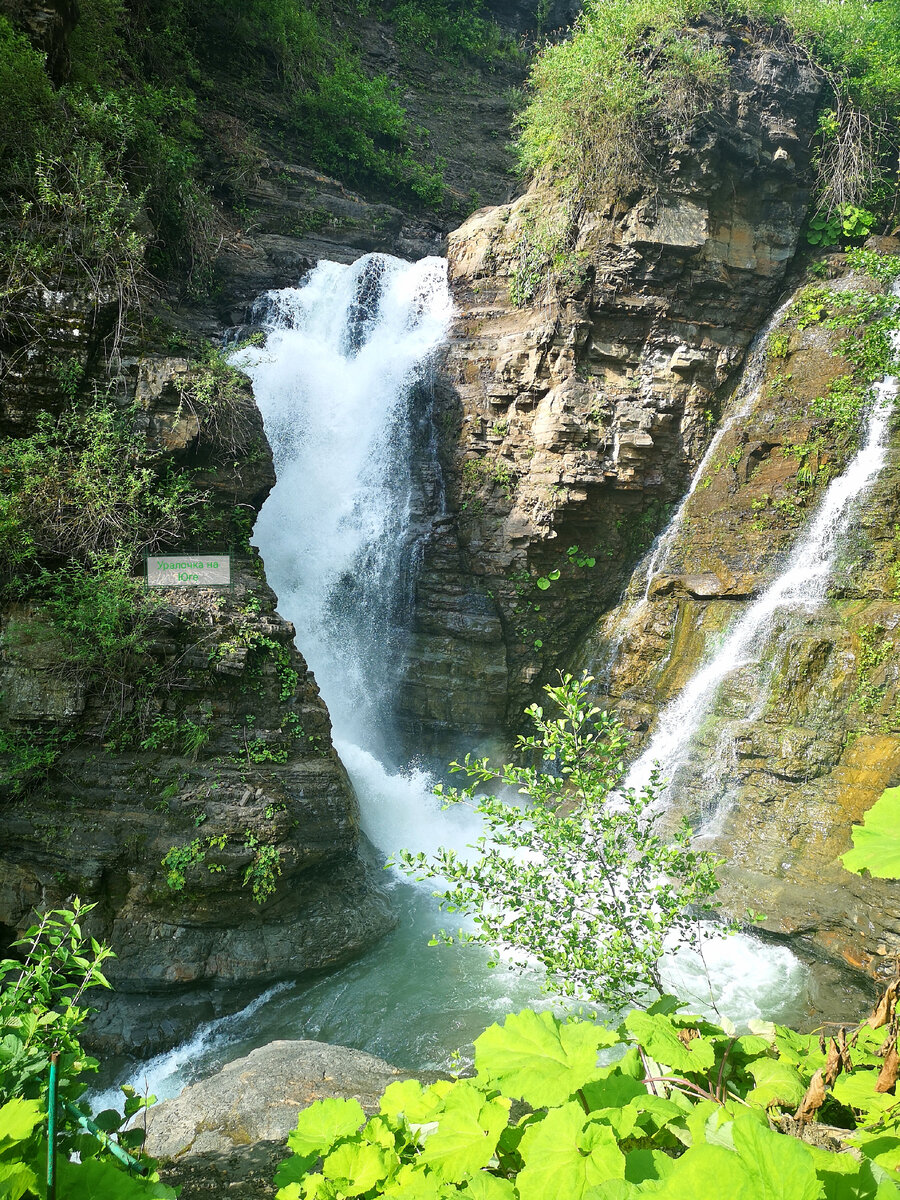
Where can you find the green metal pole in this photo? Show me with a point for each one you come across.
(51, 1128)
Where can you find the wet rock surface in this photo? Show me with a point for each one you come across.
(792, 755)
(227, 1134)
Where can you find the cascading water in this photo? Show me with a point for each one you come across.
(637, 595)
(800, 586)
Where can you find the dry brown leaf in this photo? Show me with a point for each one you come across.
(887, 1076)
(844, 1051)
(813, 1100)
(884, 1009)
(832, 1063)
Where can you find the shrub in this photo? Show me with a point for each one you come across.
(578, 875)
(689, 1109)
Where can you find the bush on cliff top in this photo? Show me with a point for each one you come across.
(634, 69)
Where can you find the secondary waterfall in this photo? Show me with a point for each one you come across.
(800, 586)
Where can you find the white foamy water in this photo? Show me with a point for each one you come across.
(800, 586)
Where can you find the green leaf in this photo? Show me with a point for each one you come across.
(412, 1183)
(542, 582)
(648, 1164)
(98, 1179)
(320, 1125)
(858, 1091)
(566, 1154)
(466, 1137)
(488, 1187)
(781, 1168)
(776, 1083)
(537, 1058)
(709, 1173)
(876, 843)
(358, 1166)
(16, 1179)
(657, 1034)
(18, 1119)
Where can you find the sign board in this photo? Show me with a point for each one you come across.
(188, 570)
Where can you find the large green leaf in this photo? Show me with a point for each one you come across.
(708, 1173)
(659, 1037)
(414, 1184)
(776, 1083)
(536, 1058)
(781, 1168)
(489, 1187)
(358, 1166)
(18, 1119)
(320, 1125)
(566, 1154)
(16, 1180)
(98, 1179)
(876, 843)
(466, 1137)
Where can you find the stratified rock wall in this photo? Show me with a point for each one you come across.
(794, 751)
(261, 772)
(575, 422)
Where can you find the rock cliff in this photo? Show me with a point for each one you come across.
(572, 419)
(791, 754)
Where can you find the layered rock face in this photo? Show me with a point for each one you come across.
(798, 743)
(224, 760)
(571, 424)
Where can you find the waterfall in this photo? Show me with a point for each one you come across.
(637, 595)
(343, 384)
(800, 586)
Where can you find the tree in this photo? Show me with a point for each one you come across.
(578, 875)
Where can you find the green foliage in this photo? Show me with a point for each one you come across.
(40, 1004)
(179, 859)
(684, 1112)
(262, 874)
(577, 875)
(83, 486)
(451, 29)
(876, 843)
(42, 1012)
(636, 71)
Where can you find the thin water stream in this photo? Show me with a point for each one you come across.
(343, 384)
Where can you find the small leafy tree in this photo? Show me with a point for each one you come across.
(578, 876)
(42, 1011)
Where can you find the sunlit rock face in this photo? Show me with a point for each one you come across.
(576, 419)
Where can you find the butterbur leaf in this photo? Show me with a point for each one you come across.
(358, 1166)
(488, 1187)
(707, 1173)
(567, 1154)
(659, 1037)
(18, 1119)
(294, 1169)
(537, 1058)
(411, 1184)
(320, 1125)
(399, 1097)
(16, 1180)
(876, 843)
(776, 1083)
(465, 1140)
(782, 1168)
